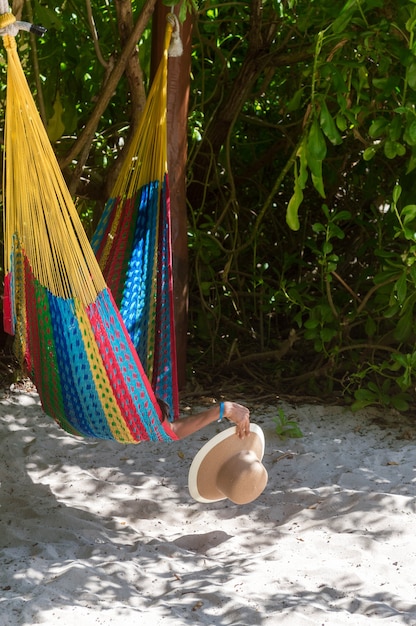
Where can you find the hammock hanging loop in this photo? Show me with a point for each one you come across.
(176, 47)
(6, 19)
(10, 26)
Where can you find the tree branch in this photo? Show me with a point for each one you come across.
(134, 75)
(94, 35)
(83, 143)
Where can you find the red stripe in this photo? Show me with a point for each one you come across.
(117, 376)
(120, 254)
(7, 306)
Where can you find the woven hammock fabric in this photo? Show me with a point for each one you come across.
(132, 243)
(69, 333)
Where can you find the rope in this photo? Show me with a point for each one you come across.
(4, 6)
(9, 26)
(176, 47)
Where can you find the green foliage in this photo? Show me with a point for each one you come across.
(68, 64)
(286, 428)
(186, 7)
(308, 203)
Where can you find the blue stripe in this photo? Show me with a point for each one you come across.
(132, 378)
(83, 409)
(138, 287)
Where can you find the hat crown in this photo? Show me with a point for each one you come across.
(242, 478)
(229, 467)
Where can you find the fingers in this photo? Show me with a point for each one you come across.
(242, 432)
(240, 415)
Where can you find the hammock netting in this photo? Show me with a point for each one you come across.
(98, 342)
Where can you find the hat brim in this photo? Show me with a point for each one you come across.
(209, 459)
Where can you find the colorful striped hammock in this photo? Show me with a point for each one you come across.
(70, 335)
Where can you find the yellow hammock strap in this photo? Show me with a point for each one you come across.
(6, 19)
(9, 42)
(146, 160)
(39, 210)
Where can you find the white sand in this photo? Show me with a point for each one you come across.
(98, 533)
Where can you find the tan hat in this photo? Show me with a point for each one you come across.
(229, 467)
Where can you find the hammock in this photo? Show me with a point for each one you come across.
(69, 333)
(132, 243)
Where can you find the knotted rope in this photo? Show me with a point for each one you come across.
(9, 26)
(176, 47)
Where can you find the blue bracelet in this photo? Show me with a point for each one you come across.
(221, 412)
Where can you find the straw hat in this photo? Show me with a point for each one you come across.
(229, 467)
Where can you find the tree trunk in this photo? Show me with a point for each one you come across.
(260, 36)
(179, 70)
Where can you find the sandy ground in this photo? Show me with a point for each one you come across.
(95, 532)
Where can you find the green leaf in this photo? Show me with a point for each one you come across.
(370, 327)
(397, 192)
(341, 122)
(411, 164)
(295, 102)
(318, 183)
(342, 216)
(395, 128)
(286, 428)
(365, 395)
(328, 125)
(295, 201)
(325, 210)
(401, 288)
(316, 145)
(206, 287)
(391, 311)
(386, 85)
(369, 153)
(327, 334)
(315, 166)
(55, 127)
(409, 233)
(303, 169)
(411, 75)
(377, 127)
(399, 403)
(404, 326)
(300, 176)
(312, 323)
(336, 231)
(408, 213)
(48, 18)
(292, 218)
(344, 17)
(410, 23)
(390, 149)
(183, 12)
(410, 133)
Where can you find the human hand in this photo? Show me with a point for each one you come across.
(240, 415)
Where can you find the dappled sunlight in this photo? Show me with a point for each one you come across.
(98, 527)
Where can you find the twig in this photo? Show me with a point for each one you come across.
(269, 354)
(346, 286)
(94, 34)
(86, 136)
(373, 290)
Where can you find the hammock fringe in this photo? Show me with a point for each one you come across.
(86, 356)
